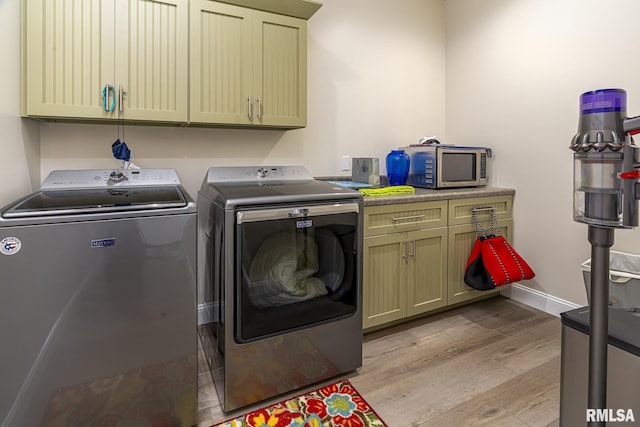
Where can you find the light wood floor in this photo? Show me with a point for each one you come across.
(491, 363)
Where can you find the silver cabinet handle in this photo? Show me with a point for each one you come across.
(405, 257)
(403, 218)
(121, 94)
(105, 94)
(249, 108)
(412, 254)
(259, 108)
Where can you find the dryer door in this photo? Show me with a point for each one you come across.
(297, 267)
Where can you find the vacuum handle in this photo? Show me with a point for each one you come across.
(634, 174)
(631, 125)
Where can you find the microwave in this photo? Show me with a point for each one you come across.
(447, 166)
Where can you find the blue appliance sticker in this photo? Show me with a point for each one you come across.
(304, 224)
(10, 246)
(103, 243)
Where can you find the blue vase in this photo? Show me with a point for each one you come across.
(397, 167)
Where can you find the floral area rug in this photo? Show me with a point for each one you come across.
(338, 405)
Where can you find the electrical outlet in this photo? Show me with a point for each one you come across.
(346, 163)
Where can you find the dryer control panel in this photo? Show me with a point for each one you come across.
(105, 178)
(257, 174)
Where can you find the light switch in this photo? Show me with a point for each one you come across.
(346, 163)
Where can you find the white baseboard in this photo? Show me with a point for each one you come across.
(540, 300)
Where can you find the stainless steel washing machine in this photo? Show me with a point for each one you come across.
(279, 280)
(98, 302)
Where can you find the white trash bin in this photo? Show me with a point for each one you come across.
(624, 280)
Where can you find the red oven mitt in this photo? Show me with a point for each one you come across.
(503, 263)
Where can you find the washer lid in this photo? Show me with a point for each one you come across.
(96, 200)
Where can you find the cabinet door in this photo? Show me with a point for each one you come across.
(221, 63)
(69, 57)
(427, 283)
(384, 279)
(461, 240)
(280, 67)
(151, 59)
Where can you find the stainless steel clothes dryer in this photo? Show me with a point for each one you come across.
(280, 280)
(98, 302)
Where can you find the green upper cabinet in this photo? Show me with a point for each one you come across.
(280, 78)
(133, 51)
(248, 67)
(68, 57)
(154, 59)
(220, 74)
(167, 61)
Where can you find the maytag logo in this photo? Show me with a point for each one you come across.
(610, 416)
(304, 224)
(103, 243)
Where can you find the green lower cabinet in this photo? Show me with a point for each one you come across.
(415, 255)
(404, 275)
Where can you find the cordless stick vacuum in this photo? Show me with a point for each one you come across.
(605, 198)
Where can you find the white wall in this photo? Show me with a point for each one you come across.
(19, 139)
(376, 81)
(515, 71)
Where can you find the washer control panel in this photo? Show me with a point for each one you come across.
(104, 178)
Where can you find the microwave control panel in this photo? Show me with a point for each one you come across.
(483, 165)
